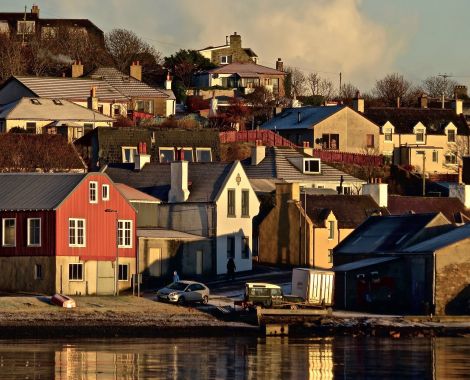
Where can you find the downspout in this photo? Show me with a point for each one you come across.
(345, 287)
(433, 307)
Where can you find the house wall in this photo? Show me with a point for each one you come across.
(453, 279)
(352, 129)
(192, 218)
(237, 226)
(237, 53)
(146, 214)
(11, 123)
(323, 244)
(108, 107)
(12, 91)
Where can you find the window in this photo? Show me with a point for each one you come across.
(388, 134)
(435, 156)
(330, 255)
(167, 154)
(225, 59)
(100, 108)
(38, 272)
(451, 135)
(49, 32)
(92, 192)
(450, 158)
(77, 236)
(87, 127)
(246, 203)
(128, 153)
(419, 135)
(143, 106)
(25, 27)
(9, 232)
(77, 132)
(35, 101)
(105, 192)
(231, 203)
(245, 247)
(230, 247)
(4, 27)
(125, 233)
(331, 229)
(312, 166)
(123, 272)
(31, 127)
(330, 141)
(203, 155)
(345, 190)
(117, 110)
(370, 141)
(76, 272)
(34, 232)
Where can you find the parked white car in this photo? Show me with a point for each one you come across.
(184, 292)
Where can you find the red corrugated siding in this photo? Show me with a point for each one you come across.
(47, 247)
(100, 225)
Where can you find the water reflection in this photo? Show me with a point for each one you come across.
(236, 358)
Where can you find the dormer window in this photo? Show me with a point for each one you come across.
(312, 166)
(419, 135)
(225, 59)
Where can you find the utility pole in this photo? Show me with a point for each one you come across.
(445, 76)
(340, 80)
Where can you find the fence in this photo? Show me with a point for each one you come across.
(268, 138)
(348, 158)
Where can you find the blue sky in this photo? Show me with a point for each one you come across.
(364, 39)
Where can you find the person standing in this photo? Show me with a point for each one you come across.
(176, 278)
(231, 268)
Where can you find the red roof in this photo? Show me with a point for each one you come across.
(132, 194)
(245, 69)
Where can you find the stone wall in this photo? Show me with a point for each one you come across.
(453, 289)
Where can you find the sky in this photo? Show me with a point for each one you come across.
(362, 39)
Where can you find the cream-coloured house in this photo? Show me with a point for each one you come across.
(209, 199)
(435, 138)
(53, 116)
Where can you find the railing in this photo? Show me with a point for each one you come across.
(443, 177)
(268, 138)
(348, 158)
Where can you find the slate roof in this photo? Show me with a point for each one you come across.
(276, 165)
(35, 191)
(350, 210)
(309, 116)
(404, 119)
(382, 234)
(363, 263)
(128, 85)
(47, 109)
(441, 241)
(452, 208)
(161, 233)
(69, 88)
(246, 68)
(205, 179)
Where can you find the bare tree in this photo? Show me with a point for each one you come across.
(348, 91)
(436, 86)
(393, 87)
(320, 86)
(295, 82)
(11, 57)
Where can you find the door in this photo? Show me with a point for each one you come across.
(105, 278)
(199, 262)
(155, 262)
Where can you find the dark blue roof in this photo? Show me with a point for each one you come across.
(309, 116)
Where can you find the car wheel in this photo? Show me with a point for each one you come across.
(205, 300)
(181, 301)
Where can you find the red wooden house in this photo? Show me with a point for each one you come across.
(58, 234)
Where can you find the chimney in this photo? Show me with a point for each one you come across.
(92, 101)
(168, 82)
(461, 91)
(141, 158)
(179, 191)
(235, 41)
(226, 40)
(35, 10)
(306, 149)
(461, 192)
(136, 70)
(77, 69)
(358, 103)
(398, 102)
(457, 105)
(258, 153)
(279, 65)
(378, 191)
(423, 101)
(286, 192)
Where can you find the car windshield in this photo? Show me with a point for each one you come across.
(177, 286)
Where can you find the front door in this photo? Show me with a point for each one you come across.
(155, 262)
(105, 278)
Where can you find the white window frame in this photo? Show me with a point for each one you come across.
(450, 154)
(418, 129)
(189, 150)
(388, 132)
(103, 197)
(76, 229)
(29, 27)
(204, 149)
(76, 279)
(3, 232)
(28, 225)
(311, 160)
(163, 148)
(225, 59)
(122, 228)
(131, 157)
(331, 229)
(455, 135)
(127, 272)
(93, 189)
(435, 154)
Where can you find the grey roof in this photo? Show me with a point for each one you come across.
(35, 191)
(309, 116)
(276, 165)
(205, 179)
(161, 233)
(382, 234)
(128, 85)
(70, 88)
(441, 241)
(363, 263)
(50, 109)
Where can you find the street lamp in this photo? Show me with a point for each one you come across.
(116, 268)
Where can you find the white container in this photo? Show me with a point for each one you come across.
(313, 285)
